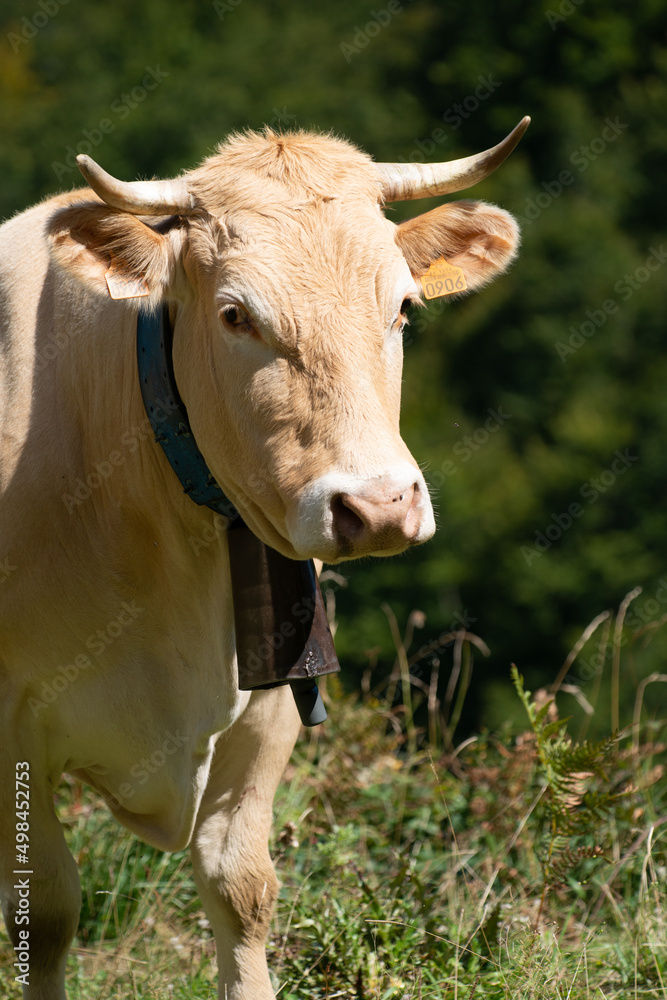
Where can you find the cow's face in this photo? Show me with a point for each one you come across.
(289, 291)
(295, 393)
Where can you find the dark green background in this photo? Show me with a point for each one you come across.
(64, 68)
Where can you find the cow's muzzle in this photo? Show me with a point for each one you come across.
(386, 519)
(343, 516)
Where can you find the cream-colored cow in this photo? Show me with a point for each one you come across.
(287, 289)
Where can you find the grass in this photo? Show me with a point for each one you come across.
(411, 868)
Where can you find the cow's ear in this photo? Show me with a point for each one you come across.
(111, 252)
(479, 238)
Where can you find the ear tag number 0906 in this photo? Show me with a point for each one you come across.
(443, 278)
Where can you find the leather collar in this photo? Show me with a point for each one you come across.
(169, 417)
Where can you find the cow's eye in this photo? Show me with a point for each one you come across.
(236, 318)
(402, 318)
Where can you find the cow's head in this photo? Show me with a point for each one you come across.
(289, 289)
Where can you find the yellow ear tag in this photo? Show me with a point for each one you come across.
(443, 278)
(122, 285)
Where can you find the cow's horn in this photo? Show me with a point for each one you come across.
(405, 181)
(138, 197)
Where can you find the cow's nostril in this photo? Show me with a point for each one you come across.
(347, 524)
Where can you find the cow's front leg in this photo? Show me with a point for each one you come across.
(39, 882)
(230, 853)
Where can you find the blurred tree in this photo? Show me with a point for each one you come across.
(519, 400)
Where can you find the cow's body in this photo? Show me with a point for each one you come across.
(117, 659)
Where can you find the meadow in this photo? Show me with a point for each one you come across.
(524, 864)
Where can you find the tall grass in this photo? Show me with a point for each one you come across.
(520, 865)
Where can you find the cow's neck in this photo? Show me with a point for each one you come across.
(101, 381)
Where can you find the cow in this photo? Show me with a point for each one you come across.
(287, 289)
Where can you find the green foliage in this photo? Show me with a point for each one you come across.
(576, 805)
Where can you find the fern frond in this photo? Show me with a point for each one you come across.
(567, 860)
(579, 793)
